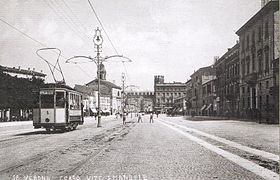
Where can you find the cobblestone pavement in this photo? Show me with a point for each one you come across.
(260, 136)
(26, 151)
(154, 151)
(166, 149)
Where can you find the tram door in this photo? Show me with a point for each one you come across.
(60, 106)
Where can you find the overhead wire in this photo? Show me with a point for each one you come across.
(32, 39)
(101, 24)
(51, 6)
(71, 21)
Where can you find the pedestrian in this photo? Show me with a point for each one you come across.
(124, 118)
(139, 118)
(157, 114)
(152, 118)
(95, 115)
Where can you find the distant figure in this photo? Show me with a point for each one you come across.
(157, 114)
(152, 118)
(95, 115)
(139, 118)
(124, 118)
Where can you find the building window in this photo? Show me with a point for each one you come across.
(248, 89)
(267, 84)
(253, 38)
(260, 64)
(248, 65)
(259, 33)
(266, 61)
(243, 103)
(260, 86)
(248, 40)
(267, 99)
(260, 103)
(248, 102)
(253, 62)
(266, 30)
(243, 67)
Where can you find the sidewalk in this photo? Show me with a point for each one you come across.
(215, 118)
(87, 119)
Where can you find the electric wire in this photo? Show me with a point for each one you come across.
(33, 39)
(71, 21)
(101, 24)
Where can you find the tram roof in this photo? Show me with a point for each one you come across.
(56, 85)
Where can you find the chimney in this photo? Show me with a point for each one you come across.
(19, 68)
(33, 69)
(28, 69)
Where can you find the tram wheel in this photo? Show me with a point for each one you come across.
(48, 129)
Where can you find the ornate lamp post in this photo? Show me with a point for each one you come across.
(97, 40)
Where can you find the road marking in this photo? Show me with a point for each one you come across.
(264, 154)
(256, 169)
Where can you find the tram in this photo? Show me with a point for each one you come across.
(60, 107)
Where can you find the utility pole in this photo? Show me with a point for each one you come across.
(123, 103)
(98, 40)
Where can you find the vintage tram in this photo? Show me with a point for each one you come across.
(60, 107)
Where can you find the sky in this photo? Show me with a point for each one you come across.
(172, 38)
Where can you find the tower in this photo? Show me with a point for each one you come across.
(159, 79)
(102, 72)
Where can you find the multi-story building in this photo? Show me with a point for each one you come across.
(140, 101)
(197, 79)
(209, 95)
(165, 93)
(259, 40)
(227, 73)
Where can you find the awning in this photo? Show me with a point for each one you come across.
(203, 107)
(208, 107)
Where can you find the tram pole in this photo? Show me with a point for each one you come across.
(98, 72)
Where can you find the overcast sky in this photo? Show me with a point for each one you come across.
(162, 37)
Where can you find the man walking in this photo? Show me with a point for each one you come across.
(139, 118)
(124, 118)
(152, 117)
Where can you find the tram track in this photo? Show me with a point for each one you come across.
(98, 139)
(114, 136)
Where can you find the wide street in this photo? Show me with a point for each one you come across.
(169, 148)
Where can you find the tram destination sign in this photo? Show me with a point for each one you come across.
(46, 92)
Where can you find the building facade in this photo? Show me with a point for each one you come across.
(140, 101)
(227, 83)
(259, 42)
(108, 92)
(197, 80)
(166, 93)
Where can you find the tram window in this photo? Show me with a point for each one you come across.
(74, 101)
(60, 100)
(47, 101)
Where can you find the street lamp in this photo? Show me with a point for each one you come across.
(98, 40)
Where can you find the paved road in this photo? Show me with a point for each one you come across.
(170, 148)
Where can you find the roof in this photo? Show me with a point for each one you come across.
(103, 82)
(88, 90)
(56, 85)
(272, 5)
(229, 52)
(21, 71)
(203, 68)
(84, 89)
